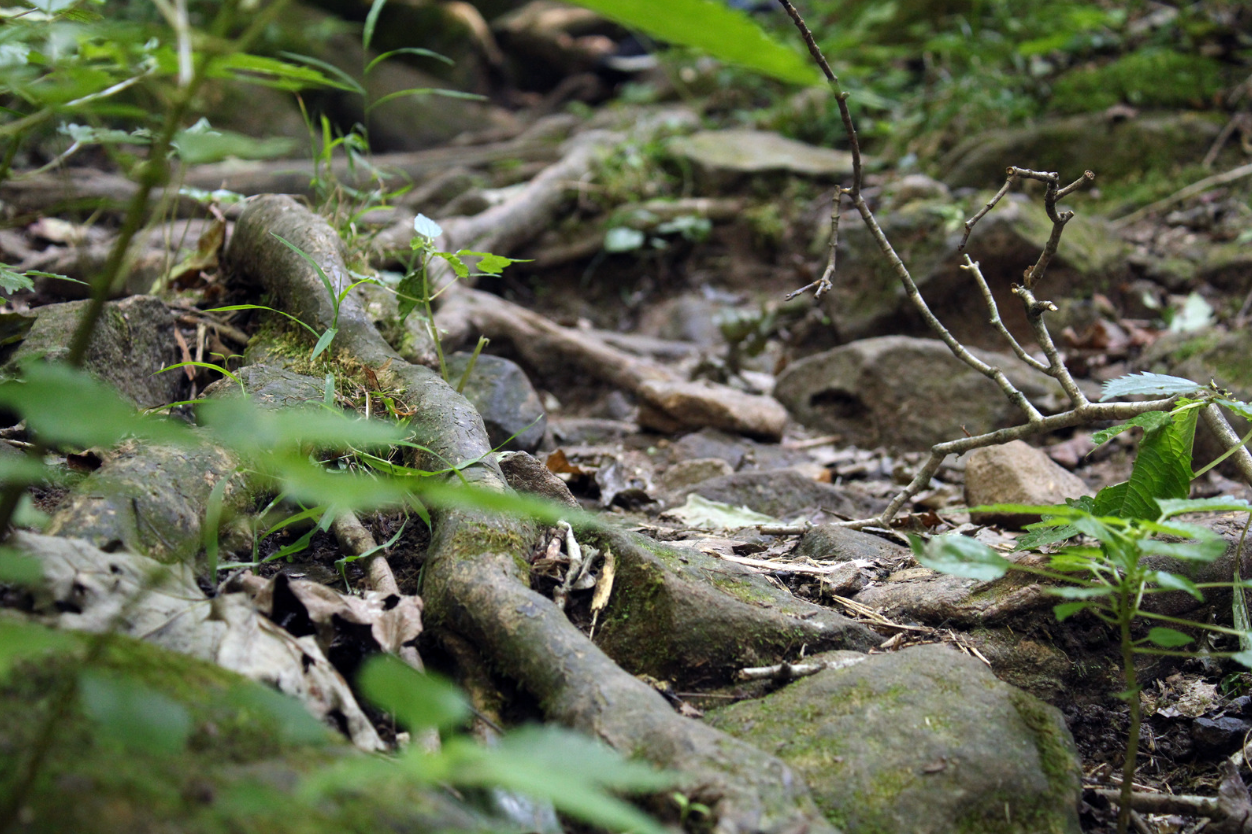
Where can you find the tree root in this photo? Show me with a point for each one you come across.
(476, 580)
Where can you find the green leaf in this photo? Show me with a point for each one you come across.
(1156, 385)
(371, 21)
(1171, 507)
(1040, 535)
(1066, 610)
(346, 81)
(19, 641)
(65, 405)
(24, 470)
(726, 34)
(1168, 637)
(289, 718)
(1240, 408)
(17, 568)
(574, 772)
(11, 280)
(492, 264)
(323, 342)
(1146, 420)
(272, 72)
(1162, 469)
(458, 265)
(427, 228)
(960, 556)
(1080, 591)
(409, 294)
(408, 50)
(234, 307)
(417, 700)
(1205, 550)
(702, 514)
(427, 91)
(321, 273)
(216, 145)
(130, 713)
(240, 425)
(1177, 583)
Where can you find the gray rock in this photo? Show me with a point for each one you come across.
(828, 543)
(1113, 148)
(915, 187)
(526, 474)
(270, 387)
(780, 493)
(691, 472)
(739, 452)
(726, 155)
(905, 393)
(132, 342)
(576, 431)
(869, 300)
(503, 395)
(689, 317)
(1016, 473)
(924, 741)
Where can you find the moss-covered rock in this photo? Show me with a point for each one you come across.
(238, 770)
(920, 741)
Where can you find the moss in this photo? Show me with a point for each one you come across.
(1145, 78)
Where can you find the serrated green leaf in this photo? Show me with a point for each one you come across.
(408, 295)
(492, 264)
(1044, 536)
(1147, 420)
(458, 266)
(420, 701)
(1168, 637)
(1156, 385)
(1162, 469)
(1176, 583)
(1205, 550)
(960, 556)
(11, 280)
(1238, 407)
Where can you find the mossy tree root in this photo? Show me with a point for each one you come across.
(476, 582)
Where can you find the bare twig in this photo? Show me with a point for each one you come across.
(972, 267)
(999, 195)
(823, 285)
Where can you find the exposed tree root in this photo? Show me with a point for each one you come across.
(476, 580)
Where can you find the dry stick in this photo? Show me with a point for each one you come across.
(973, 268)
(352, 536)
(824, 284)
(1216, 421)
(1185, 193)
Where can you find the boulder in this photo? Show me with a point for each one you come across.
(668, 406)
(722, 157)
(132, 342)
(503, 395)
(739, 452)
(1016, 473)
(906, 393)
(691, 472)
(1114, 148)
(828, 543)
(780, 493)
(925, 741)
(869, 300)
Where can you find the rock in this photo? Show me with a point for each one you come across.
(410, 338)
(691, 618)
(270, 387)
(1227, 266)
(739, 452)
(1218, 737)
(671, 406)
(1114, 148)
(780, 493)
(589, 431)
(527, 474)
(503, 395)
(724, 156)
(906, 393)
(1016, 473)
(924, 741)
(827, 543)
(132, 342)
(689, 317)
(691, 472)
(915, 187)
(869, 300)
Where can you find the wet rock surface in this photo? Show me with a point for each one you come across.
(501, 392)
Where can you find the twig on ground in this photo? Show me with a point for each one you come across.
(1185, 193)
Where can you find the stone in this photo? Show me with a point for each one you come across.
(828, 543)
(1218, 737)
(781, 493)
(691, 472)
(723, 156)
(270, 387)
(668, 406)
(1016, 473)
(1114, 148)
(924, 740)
(132, 342)
(589, 431)
(739, 452)
(527, 474)
(688, 317)
(906, 393)
(914, 187)
(503, 395)
(1227, 266)
(868, 298)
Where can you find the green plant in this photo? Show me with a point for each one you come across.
(1127, 522)
(417, 288)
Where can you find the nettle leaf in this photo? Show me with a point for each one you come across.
(458, 265)
(420, 701)
(1148, 420)
(1162, 469)
(1240, 408)
(408, 295)
(1156, 385)
(960, 556)
(1041, 534)
(492, 264)
(11, 280)
(1174, 582)
(1168, 637)
(1204, 550)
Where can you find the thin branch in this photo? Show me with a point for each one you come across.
(972, 267)
(823, 285)
(999, 195)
